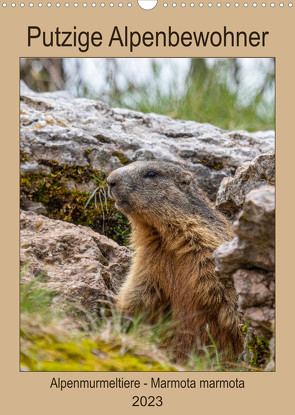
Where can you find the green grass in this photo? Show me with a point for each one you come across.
(70, 338)
(212, 92)
(207, 98)
(65, 337)
(35, 298)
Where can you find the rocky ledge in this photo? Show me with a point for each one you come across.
(86, 133)
(74, 261)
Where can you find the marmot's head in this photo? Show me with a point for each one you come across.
(149, 188)
(165, 194)
(152, 190)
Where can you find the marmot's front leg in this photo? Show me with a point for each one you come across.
(140, 296)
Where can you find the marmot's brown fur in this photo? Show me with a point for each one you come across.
(175, 230)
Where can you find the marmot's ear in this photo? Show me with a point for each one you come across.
(185, 178)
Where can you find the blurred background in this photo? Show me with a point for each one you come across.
(231, 93)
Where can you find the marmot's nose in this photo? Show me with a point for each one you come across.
(111, 183)
(112, 180)
(116, 178)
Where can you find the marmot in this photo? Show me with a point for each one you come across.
(175, 229)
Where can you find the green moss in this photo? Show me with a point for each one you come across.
(44, 352)
(218, 166)
(23, 156)
(123, 160)
(69, 205)
(258, 352)
(203, 161)
(211, 164)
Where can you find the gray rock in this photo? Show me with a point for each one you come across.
(262, 320)
(36, 207)
(249, 176)
(33, 168)
(78, 262)
(83, 132)
(82, 187)
(256, 222)
(243, 254)
(254, 244)
(249, 260)
(254, 288)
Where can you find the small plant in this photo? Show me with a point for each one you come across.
(59, 336)
(103, 199)
(214, 347)
(55, 340)
(100, 190)
(257, 351)
(34, 299)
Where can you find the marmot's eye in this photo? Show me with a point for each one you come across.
(151, 174)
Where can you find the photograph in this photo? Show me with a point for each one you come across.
(147, 214)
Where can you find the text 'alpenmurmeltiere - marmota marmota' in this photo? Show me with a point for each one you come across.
(175, 230)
